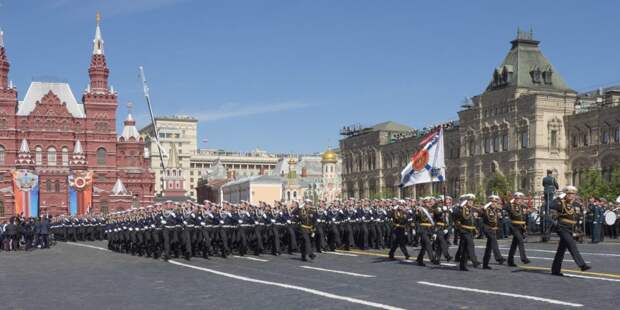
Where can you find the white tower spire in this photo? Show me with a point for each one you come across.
(77, 149)
(98, 41)
(24, 147)
(1, 38)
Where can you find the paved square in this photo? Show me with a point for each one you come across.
(88, 276)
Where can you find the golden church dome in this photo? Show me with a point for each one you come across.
(292, 161)
(329, 157)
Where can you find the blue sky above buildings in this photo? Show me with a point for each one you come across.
(286, 75)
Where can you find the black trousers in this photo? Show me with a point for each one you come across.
(167, 238)
(306, 244)
(467, 248)
(223, 234)
(347, 235)
(427, 246)
(441, 245)
(291, 238)
(242, 240)
(399, 239)
(363, 235)
(333, 237)
(259, 246)
(566, 242)
(491, 235)
(43, 241)
(319, 238)
(274, 239)
(517, 241)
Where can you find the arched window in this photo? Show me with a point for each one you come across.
(48, 185)
(51, 156)
(38, 156)
(101, 153)
(2, 155)
(1, 208)
(57, 186)
(524, 139)
(65, 156)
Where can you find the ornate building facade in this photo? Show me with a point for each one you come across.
(60, 156)
(311, 177)
(526, 121)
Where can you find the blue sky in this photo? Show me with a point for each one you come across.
(286, 75)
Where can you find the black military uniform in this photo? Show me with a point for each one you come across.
(491, 216)
(465, 223)
(440, 215)
(400, 223)
(568, 215)
(305, 221)
(425, 226)
(518, 218)
(550, 185)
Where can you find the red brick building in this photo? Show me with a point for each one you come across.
(71, 147)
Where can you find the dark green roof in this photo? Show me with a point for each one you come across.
(390, 126)
(525, 66)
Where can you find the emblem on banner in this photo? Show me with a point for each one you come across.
(80, 181)
(25, 180)
(420, 160)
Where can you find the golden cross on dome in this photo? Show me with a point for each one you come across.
(129, 106)
(98, 17)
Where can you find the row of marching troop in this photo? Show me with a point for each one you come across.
(188, 229)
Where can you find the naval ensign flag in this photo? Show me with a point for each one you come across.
(428, 164)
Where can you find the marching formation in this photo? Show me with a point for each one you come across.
(192, 230)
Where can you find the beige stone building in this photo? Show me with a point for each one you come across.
(526, 121)
(179, 135)
(253, 189)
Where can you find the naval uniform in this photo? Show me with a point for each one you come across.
(490, 219)
(568, 213)
(518, 217)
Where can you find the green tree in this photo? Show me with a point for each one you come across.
(613, 188)
(593, 185)
(497, 183)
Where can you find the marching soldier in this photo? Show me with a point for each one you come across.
(441, 217)
(425, 228)
(491, 215)
(518, 212)
(465, 223)
(400, 222)
(567, 209)
(304, 219)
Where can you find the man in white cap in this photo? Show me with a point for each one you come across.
(465, 223)
(491, 214)
(568, 210)
(426, 224)
(305, 220)
(400, 224)
(518, 213)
